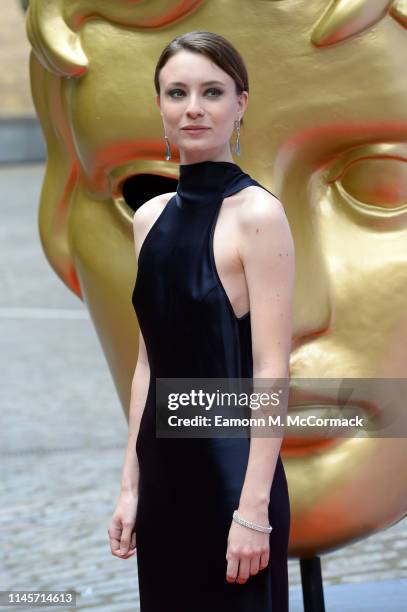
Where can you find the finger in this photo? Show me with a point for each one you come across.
(129, 554)
(244, 570)
(126, 537)
(254, 565)
(264, 559)
(232, 568)
(115, 533)
(133, 539)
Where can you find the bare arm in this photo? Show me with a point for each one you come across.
(143, 219)
(267, 254)
(122, 532)
(139, 389)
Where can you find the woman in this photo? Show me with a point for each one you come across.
(192, 295)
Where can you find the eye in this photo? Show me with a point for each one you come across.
(217, 92)
(172, 91)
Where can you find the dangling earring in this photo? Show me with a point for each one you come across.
(167, 148)
(237, 145)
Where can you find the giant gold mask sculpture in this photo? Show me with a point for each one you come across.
(325, 130)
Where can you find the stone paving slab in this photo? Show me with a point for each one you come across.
(62, 440)
(382, 596)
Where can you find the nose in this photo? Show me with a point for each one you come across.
(194, 106)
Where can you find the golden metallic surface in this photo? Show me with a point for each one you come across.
(345, 18)
(325, 130)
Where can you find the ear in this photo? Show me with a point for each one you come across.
(243, 101)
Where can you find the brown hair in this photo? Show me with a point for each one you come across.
(216, 48)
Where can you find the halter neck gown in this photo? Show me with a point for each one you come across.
(189, 487)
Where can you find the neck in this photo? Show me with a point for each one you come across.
(186, 157)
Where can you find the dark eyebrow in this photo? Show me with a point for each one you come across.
(181, 84)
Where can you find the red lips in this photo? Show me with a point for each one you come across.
(195, 127)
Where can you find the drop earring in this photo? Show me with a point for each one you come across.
(167, 148)
(237, 145)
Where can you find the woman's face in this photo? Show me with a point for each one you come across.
(195, 91)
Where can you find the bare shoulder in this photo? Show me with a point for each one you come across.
(146, 215)
(150, 209)
(259, 206)
(263, 224)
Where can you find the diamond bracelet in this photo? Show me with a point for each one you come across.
(242, 521)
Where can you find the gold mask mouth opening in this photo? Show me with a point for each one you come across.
(132, 191)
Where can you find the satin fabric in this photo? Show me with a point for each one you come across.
(189, 487)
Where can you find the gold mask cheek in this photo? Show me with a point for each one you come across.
(61, 174)
(101, 124)
(87, 242)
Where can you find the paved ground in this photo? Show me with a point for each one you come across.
(62, 439)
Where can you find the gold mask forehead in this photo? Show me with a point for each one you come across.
(52, 25)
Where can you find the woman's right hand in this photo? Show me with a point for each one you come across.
(122, 535)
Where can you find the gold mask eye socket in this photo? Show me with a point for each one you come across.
(372, 180)
(377, 183)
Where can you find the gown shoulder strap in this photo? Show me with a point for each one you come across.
(244, 181)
